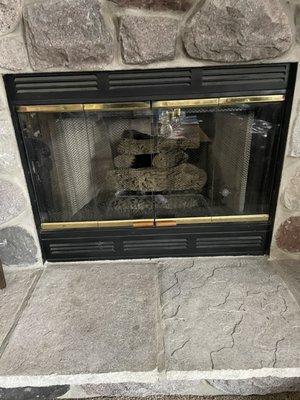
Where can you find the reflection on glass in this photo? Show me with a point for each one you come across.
(160, 163)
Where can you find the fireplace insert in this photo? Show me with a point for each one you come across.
(153, 163)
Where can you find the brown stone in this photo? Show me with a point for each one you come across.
(238, 30)
(157, 5)
(147, 39)
(288, 235)
(67, 33)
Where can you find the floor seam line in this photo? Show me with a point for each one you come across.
(20, 311)
(161, 357)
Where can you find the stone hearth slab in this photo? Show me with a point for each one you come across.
(289, 270)
(87, 319)
(192, 326)
(234, 314)
(19, 283)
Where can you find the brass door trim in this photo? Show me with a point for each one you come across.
(241, 218)
(49, 226)
(131, 106)
(215, 102)
(51, 108)
(225, 101)
(189, 103)
(165, 223)
(161, 222)
(53, 226)
(218, 219)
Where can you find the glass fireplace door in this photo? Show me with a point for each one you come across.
(145, 164)
(219, 158)
(90, 164)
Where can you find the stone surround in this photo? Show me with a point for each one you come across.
(72, 35)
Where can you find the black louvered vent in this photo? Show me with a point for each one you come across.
(55, 84)
(177, 77)
(155, 244)
(75, 248)
(230, 242)
(246, 75)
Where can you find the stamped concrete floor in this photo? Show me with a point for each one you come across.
(174, 326)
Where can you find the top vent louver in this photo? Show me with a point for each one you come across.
(55, 84)
(145, 85)
(241, 75)
(130, 80)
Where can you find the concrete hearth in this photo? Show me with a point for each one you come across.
(172, 326)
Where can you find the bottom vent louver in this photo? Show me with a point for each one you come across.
(254, 242)
(82, 248)
(155, 244)
(179, 241)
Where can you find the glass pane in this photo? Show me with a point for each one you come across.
(216, 161)
(85, 164)
(124, 150)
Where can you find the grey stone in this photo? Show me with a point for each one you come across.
(87, 319)
(11, 298)
(181, 177)
(12, 201)
(139, 390)
(13, 54)
(291, 194)
(34, 393)
(227, 314)
(238, 30)
(147, 39)
(259, 386)
(10, 13)
(169, 159)
(290, 272)
(67, 33)
(294, 149)
(17, 246)
(8, 156)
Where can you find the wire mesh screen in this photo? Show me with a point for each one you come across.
(231, 150)
(73, 148)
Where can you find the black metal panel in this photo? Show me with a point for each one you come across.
(204, 240)
(181, 241)
(147, 85)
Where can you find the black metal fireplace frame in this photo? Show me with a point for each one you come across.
(252, 238)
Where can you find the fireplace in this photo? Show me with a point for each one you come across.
(153, 163)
